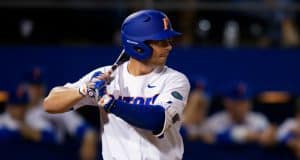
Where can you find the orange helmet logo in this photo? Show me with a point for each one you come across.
(166, 23)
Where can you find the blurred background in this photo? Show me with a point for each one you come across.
(241, 57)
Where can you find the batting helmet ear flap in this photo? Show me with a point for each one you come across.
(138, 50)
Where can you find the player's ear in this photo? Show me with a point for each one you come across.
(150, 44)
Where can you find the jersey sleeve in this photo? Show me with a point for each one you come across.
(173, 98)
(48, 133)
(39, 122)
(216, 123)
(284, 133)
(85, 79)
(261, 122)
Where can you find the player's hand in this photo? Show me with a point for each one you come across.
(107, 102)
(253, 136)
(95, 87)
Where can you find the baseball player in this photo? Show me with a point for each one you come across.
(289, 132)
(70, 123)
(141, 102)
(14, 125)
(237, 124)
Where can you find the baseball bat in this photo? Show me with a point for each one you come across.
(120, 60)
(123, 57)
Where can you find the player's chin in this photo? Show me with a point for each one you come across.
(161, 61)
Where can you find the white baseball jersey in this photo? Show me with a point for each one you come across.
(34, 119)
(286, 128)
(63, 123)
(36, 122)
(196, 129)
(7, 122)
(121, 140)
(221, 121)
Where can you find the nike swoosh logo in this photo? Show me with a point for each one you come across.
(149, 86)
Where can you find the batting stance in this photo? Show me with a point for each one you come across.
(141, 102)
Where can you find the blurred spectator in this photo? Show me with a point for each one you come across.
(15, 126)
(281, 28)
(69, 123)
(289, 132)
(194, 115)
(237, 124)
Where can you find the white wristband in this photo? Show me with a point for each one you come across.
(83, 90)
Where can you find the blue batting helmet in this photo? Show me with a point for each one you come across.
(142, 26)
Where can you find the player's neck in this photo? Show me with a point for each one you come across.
(138, 68)
(238, 120)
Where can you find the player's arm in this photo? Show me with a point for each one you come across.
(268, 137)
(158, 117)
(240, 134)
(290, 139)
(288, 135)
(61, 99)
(150, 117)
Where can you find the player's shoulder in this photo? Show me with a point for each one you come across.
(289, 122)
(101, 69)
(256, 116)
(285, 128)
(173, 74)
(3, 116)
(7, 122)
(217, 122)
(218, 117)
(257, 119)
